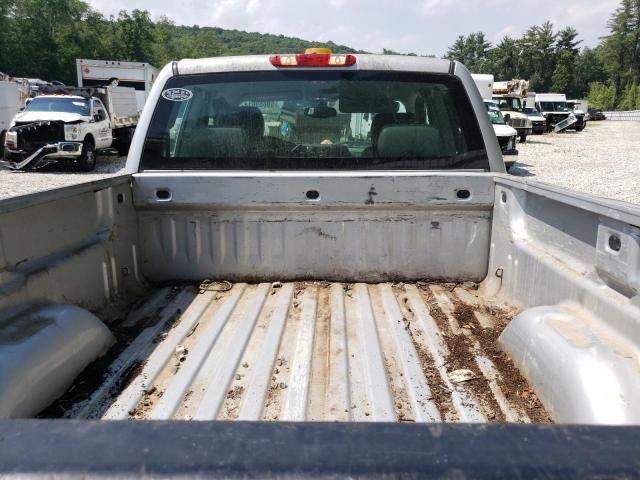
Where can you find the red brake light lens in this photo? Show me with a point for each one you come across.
(313, 60)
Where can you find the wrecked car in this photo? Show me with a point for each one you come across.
(70, 125)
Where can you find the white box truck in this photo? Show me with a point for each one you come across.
(138, 75)
(484, 83)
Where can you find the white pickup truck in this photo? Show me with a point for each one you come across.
(69, 125)
(293, 301)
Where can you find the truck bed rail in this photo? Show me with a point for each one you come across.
(72, 449)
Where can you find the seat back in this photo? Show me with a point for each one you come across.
(417, 141)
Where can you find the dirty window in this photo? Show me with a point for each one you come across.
(554, 106)
(508, 103)
(59, 104)
(302, 120)
(495, 115)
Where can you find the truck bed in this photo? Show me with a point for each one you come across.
(317, 351)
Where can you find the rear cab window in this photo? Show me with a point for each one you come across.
(314, 120)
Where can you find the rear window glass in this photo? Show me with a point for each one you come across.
(305, 120)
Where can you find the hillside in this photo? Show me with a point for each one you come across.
(237, 42)
(30, 47)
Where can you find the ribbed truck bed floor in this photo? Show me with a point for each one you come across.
(316, 351)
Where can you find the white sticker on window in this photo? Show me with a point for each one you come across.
(177, 94)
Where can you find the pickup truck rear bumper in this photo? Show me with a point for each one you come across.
(18, 159)
(73, 449)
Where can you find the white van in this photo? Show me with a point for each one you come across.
(506, 135)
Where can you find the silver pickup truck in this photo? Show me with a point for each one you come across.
(352, 288)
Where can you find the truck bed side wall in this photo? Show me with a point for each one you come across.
(75, 245)
(553, 246)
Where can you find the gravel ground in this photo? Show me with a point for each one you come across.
(20, 183)
(603, 160)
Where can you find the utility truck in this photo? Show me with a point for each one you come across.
(69, 125)
(510, 96)
(290, 307)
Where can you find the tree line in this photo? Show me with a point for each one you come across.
(608, 75)
(42, 38)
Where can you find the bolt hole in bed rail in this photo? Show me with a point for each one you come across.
(312, 195)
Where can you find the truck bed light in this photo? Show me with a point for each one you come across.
(313, 60)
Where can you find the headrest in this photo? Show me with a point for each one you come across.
(381, 120)
(419, 141)
(213, 142)
(249, 119)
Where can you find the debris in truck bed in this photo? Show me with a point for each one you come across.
(213, 286)
(462, 375)
(360, 352)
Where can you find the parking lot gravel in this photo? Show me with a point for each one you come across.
(603, 160)
(54, 176)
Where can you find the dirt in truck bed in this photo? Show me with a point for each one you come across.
(316, 351)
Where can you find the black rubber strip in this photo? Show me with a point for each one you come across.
(316, 450)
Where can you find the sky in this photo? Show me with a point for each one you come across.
(408, 26)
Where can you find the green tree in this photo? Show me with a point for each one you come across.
(538, 56)
(42, 27)
(630, 98)
(504, 58)
(567, 52)
(7, 11)
(567, 41)
(472, 51)
(136, 35)
(601, 96)
(618, 45)
(563, 74)
(589, 68)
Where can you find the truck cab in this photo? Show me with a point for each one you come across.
(518, 119)
(58, 127)
(580, 109)
(538, 122)
(555, 109)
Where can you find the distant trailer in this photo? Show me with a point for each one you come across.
(137, 75)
